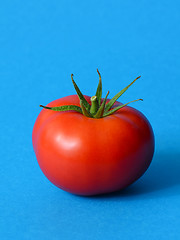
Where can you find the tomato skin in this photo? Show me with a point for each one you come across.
(88, 156)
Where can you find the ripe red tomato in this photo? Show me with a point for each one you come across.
(89, 156)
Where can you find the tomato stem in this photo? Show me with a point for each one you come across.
(94, 105)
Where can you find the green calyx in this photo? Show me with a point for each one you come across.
(97, 108)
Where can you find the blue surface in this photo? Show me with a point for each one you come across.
(41, 44)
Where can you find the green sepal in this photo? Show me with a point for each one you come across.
(84, 110)
(113, 100)
(96, 109)
(99, 89)
(119, 107)
(80, 95)
(64, 108)
(100, 111)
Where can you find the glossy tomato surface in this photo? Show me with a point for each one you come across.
(88, 156)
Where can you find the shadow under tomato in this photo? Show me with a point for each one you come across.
(162, 175)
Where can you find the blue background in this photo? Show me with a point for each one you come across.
(41, 44)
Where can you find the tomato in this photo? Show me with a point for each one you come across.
(89, 145)
(89, 156)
